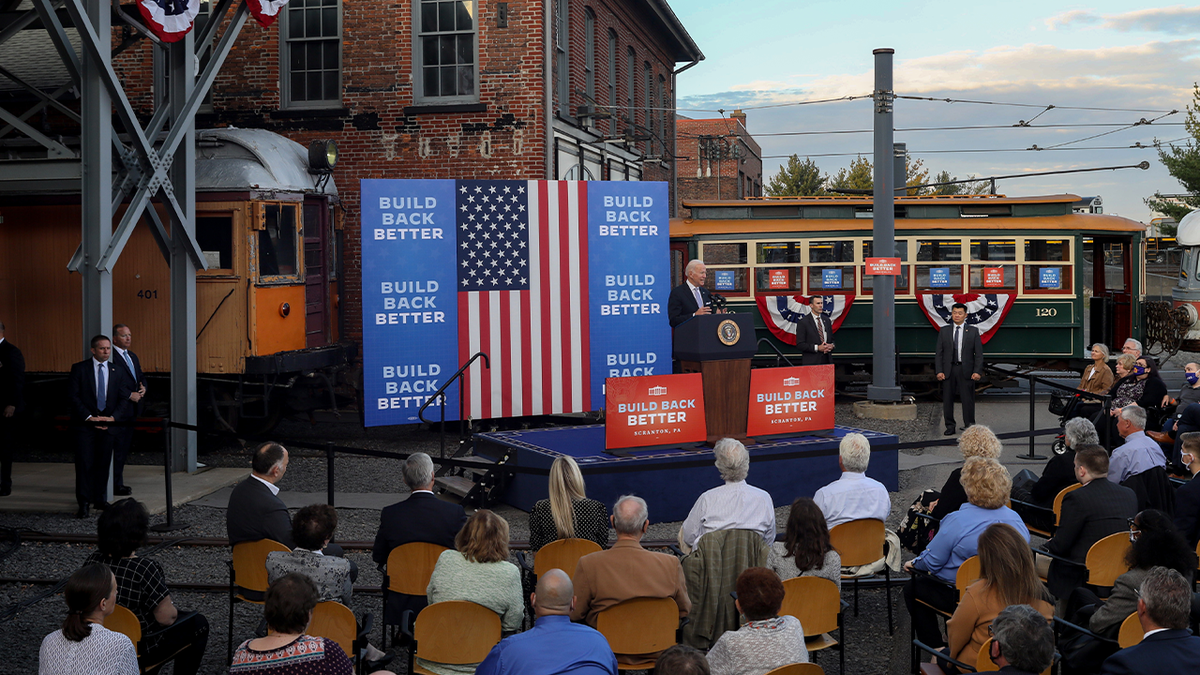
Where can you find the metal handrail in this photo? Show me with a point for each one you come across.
(440, 393)
(776, 350)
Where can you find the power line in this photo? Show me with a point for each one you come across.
(1139, 123)
(1138, 146)
(1030, 105)
(975, 127)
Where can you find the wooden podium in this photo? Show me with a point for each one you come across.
(719, 347)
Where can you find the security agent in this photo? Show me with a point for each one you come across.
(131, 367)
(12, 386)
(959, 363)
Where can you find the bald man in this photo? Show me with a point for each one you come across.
(554, 644)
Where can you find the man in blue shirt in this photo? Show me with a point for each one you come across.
(1139, 452)
(554, 644)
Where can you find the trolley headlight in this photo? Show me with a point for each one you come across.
(322, 156)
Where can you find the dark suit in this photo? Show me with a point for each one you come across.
(1170, 651)
(93, 452)
(1089, 514)
(254, 513)
(124, 436)
(958, 373)
(681, 304)
(1187, 511)
(808, 339)
(12, 392)
(421, 517)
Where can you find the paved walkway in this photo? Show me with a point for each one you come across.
(50, 487)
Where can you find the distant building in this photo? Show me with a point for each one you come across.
(721, 160)
(1088, 205)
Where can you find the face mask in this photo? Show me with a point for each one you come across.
(1191, 378)
(1187, 459)
(1139, 370)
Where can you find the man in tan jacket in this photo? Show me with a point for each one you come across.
(627, 570)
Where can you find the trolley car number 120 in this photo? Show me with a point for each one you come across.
(1045, 311)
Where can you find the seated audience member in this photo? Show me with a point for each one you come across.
(736, 505)
(1155, 543)
(853, 496)
(422, 517)
(312, 528)
(1097, 378)
(1058, 475)
(142, 588)
(287, 649)
(627, 570)
(1187, 497)
(1007, 576)
(1127, 390)
(83, 644)
(1023, 643)
(1189, 393)
(766, 641)
(568, 513)
(1139, 452)
(987, 484)
(1089, 514)
(805, 550)
(1187, 422)
(554, 645)
(1167, 646)
(977, 441)
(478, 571)
(1132, 347)
(255, 509)
(681, 660)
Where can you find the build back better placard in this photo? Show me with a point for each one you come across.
(790, 400)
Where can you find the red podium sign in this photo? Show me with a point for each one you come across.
(654, 410)
(790, 400)
(883, 266)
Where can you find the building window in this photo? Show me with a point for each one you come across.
(589, 56)
(662, 114)
(447, 55)
(612, 81)
(311, 67)
(562, 51)
(630, 89)
(647, 97)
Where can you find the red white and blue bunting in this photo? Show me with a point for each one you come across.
(984, 311)
(266, 11)
(169, 20)
(781, 313)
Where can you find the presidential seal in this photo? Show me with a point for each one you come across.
(728, 332)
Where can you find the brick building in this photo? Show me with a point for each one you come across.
(525, 89)
(719, 159)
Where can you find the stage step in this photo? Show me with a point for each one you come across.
(455, 485)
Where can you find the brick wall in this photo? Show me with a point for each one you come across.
(701, 178)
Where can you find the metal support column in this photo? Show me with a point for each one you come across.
(883, 378)
(97, 170)
(181, 79)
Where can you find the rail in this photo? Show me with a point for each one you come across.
(1105, 400)
(487, 363)
(779, 354)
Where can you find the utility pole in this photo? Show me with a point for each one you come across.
(883, 387)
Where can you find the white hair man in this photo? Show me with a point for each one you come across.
(853, 496)
(690, 298)
(1139, 452)
(1132, 346)
(736, 505)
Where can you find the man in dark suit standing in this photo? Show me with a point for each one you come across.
(12, 390)
(690, 298)
(255, 509)
(1163, 605)
(814, 335)
(98, 392)
(131, 367)
(1187, 497)
(420, 518)
(1089, 514)
(959, 364)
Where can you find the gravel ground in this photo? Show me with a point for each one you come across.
(21, 636)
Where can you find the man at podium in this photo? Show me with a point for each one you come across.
(690, 298)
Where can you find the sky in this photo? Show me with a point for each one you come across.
(1140, 64)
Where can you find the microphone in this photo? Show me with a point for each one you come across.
(717, 301)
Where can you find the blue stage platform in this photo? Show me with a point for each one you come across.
(671, 479)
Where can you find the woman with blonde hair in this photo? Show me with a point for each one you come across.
(977, 441)
(478, 571)
(1007, 576)
(568, 513)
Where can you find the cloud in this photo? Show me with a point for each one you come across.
(1175, 20)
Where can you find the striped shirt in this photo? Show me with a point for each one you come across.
(732, 506)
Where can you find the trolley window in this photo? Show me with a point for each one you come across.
(214, 234)
(277, 241)
(831, 278)
(1049, 279)
(1048, 250)
(868, 281)
(831, 251)
(939, 277)
(729, 281)
(775, 253)
(939, 250)
(778, 280)
(994, 249)
(723, 254)
(992, 278)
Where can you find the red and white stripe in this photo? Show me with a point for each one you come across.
(537, 339)
(265, 11)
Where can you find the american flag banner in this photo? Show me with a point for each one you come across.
(522, 268)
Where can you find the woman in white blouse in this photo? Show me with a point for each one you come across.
(83, 644)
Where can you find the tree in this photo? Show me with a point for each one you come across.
(797, 179)
(1183, 163)
(859, 176)
(978, 188)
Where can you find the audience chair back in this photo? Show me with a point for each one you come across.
(968, 573)
(1106, 559)
(124, 622)
(817, 603)
(798, 669)
(335, 621)
(456, 632)
(1058, 500)
(639, 626)
(984, 663)
(1131, 631)
(563, 554)
(250, 568)
(858, 542)
(409, 567)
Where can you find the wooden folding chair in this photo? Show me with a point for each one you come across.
(454, 632)
(1106, 559)
(336, 621)
(248, 577)
(968, 573)
(409, 567)
(563, 554)
(639, 626)
(861, 542)
(983, 662)
(816, 602)
(798, 669)
(124, 622)
(1056, 510)
(1131, 631)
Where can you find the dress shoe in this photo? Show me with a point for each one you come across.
(948, 432)
(84, 511)
(100, 506)
(122, 491)
(5, 491)
(378, 664)
(964, 427)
